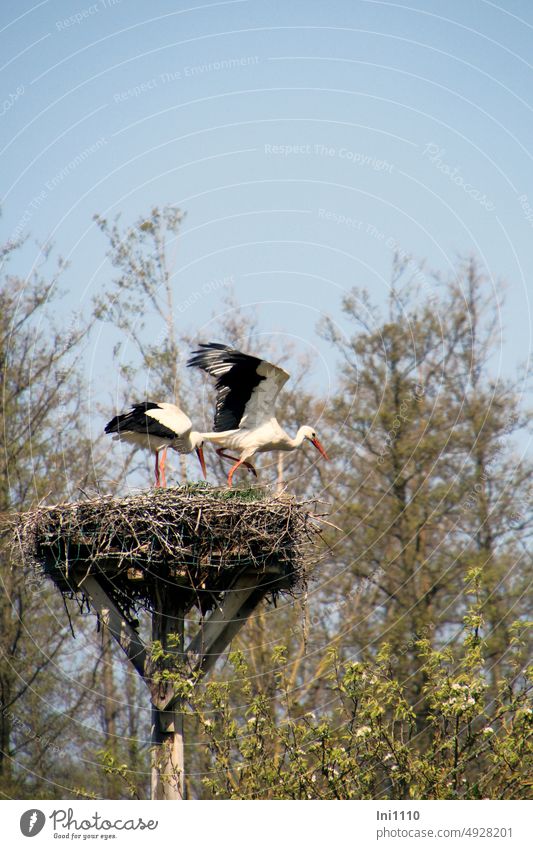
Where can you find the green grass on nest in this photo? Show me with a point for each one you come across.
(248, 493)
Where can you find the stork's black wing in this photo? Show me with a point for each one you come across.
(136, 421)
(247, 386)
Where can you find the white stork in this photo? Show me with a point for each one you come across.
(247, 388)
(158, 426)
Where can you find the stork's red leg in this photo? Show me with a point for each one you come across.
(157, 482)
(162, 467)
(233, 469)
(222, 453)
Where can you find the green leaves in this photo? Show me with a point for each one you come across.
(122, 771)
(368, 742)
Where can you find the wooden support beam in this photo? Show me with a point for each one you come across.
(224, 623)
(230, 630)
(227, 620)
(201, 646)
(125, 635)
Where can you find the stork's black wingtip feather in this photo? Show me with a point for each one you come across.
(201, 356)
(112, 426)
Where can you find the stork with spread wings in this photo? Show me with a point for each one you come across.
(247, 389)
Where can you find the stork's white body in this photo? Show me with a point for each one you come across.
(269, 436)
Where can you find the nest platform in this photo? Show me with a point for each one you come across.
(186, 545)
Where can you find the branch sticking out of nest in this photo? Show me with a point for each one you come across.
(185, 545)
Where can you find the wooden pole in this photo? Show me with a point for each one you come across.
(168, 760)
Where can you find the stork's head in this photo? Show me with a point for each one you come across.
(310, 434)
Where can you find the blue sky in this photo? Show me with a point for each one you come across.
(304, 140)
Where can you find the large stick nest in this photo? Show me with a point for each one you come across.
(185, 545)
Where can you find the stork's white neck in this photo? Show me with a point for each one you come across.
(299, 438)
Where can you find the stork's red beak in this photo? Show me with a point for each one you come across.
(320, 448)
(200, 452)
